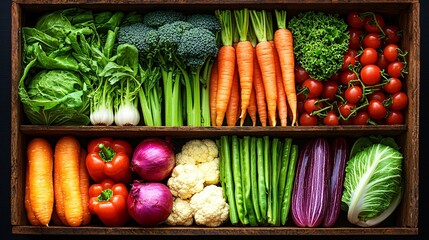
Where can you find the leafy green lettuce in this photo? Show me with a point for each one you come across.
(372, 184)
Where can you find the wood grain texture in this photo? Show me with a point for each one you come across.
(405, 220)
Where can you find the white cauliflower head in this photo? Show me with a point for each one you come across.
(185, 181)
(183, 159)
(182, 213)
(210, 170)
(210, 207)
(201, 150)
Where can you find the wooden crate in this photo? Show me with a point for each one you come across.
(403, 222)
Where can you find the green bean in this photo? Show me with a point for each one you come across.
(267, 163)
(254, 179)
(262, 193)
(277, 153)
(236, 172)
(222, 179)
(289, 183)
(228, 178)
(247, 182)
(283, 168)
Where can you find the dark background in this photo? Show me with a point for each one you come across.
(5, 121)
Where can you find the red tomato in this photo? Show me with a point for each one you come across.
(376, 110)
(391, 52)
(347, 76)
(348, 60)
(361, 118)
(368, 56)
(353, 94)
(392, 34)
(399, 101)
(374, 23)
(395, 117)
(372, 40)
(377, 95)
(307, 120)
(331, 119)
(311, 105)
(382, 62)
(300, 74)
(352, 52)
(395, 69)
(394, 85)
(314, 87)
(355, 38)
(300, 107)
(336, 77)
(370, 74)
(349, 121)
(347, 109)
(330, 88)
(354, 20)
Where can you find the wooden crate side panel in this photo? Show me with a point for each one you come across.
(408, 212)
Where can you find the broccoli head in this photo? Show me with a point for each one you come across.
(207, 21)
(142, 36)
(170, 35)
(158, 18)
(196, 46)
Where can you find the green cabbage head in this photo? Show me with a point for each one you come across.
(55, 97)
(372, 185)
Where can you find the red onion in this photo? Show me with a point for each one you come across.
(149, 203)
(153, 159)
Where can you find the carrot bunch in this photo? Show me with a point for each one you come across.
(262, 60)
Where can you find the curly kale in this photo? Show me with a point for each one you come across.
(320, 41)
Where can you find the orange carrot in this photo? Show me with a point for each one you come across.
(265, 55)
(40, 183)
(226, 65)
(284, 44)
(84, 184)
(30, 214)
(252, 109)
(281, 94)
(67, 154)
(213, 92)
(244, 52)
(232, 113)
(259, 92)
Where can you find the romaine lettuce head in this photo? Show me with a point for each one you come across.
(372, 185)
(55, 97)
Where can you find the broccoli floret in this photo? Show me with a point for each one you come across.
(196, 46)
(207, 21)
(170, 35)
(158, 18)
(142, 36)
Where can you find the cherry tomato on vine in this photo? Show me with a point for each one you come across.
(307, 120)
(361, 118)
(300, 107)
(395, 117)
(355, 38)
(392, 34)
(353, 94)
(301, 74)
(390, 51)
(399, 101)
(354, 20)
(348, 60)
(372, 21)
(331, 119)
(346, 109)
(312, 104)
(336, 77)
(347, 76)
(376, 109)
(370, 74)
(369, 56)
(330, 88)
(314, 87)
(393, 85)
(348, 121)
(351, 52)
(371, 40)
(395, 69)
(377, 95)
(382, 62)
